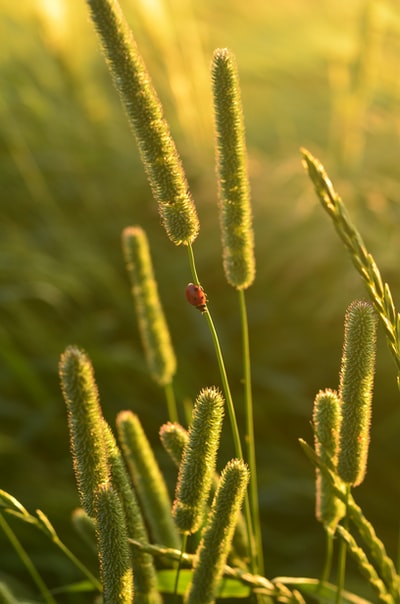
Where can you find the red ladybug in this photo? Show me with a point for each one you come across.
(196, 296)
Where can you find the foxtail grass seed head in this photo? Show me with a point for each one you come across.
(198, 463)
(174, 439)
(233, 184)
(355, 390)
(114, 554)
(326, 419)
(148, 479)
(85, 424)
(145, 580)
(156, 146)
(151, 319)
(217, 535)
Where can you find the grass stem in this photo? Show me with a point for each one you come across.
(249, 435)
(231, 413)
(171, 403)
(85, 571)
(178, 570)
(326, 571)
(342, 557)
(27, 562)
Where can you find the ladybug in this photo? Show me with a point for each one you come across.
(196, 296)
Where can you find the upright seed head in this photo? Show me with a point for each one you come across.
(147, 478)
(217, 536)
(326, 419)
(355, 390)
(234, 190)
(85, 421)
(198, 463)
(174, 439)
(114, 554)
(152, 323)
(144, 573)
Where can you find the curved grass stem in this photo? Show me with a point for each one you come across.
(27, 562)
(231, 413)
(85, 571)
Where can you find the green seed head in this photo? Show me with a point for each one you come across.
(85, 421)
(326, 419)
(217, 536)
(147, 478)
(355, 391)
(234, 190)
(174, 439)
(156, 146)
(198, 462)
(114, 554)
(152, 324)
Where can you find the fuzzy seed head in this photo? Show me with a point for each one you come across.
(157, 149)
(233, 184)
(355, 390)
(174, 439)
(85, 424)
(217, 536)
(151, 319)
(198, 462)
(326, 419)
(115, 560)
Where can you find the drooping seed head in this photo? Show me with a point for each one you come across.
(157, 149)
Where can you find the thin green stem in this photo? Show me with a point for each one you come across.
(27, 562)
(231, 412)
(326, 571)
(342, 556)
(225, 386)
(249, 435)
(171, 403)
(192, 264)
(95, 582)
(178, 570)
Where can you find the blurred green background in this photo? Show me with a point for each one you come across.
(323, 75)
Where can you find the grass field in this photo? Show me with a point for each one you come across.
(321, 75)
